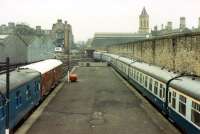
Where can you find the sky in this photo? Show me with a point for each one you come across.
(90, 16)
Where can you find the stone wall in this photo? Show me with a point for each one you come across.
(177, 53)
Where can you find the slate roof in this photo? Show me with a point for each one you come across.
(107, 39)
(144, 12)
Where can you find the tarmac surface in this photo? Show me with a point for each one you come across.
(99, 103)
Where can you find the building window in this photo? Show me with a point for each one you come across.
(174, 100)
(182, 105)
(150, 84)
(195, 113)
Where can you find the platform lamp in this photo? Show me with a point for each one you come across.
(7, 130)
(68, 53)
(67, 46)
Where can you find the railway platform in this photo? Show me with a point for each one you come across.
(101, 102)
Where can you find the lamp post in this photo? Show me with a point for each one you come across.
(68, 53)
(7, 94)
(67, 46)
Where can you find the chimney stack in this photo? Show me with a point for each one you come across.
(59, 21)
(169, 25)
(162, 27)
(38, 28)
(65, 22)
(182, 23)
(155, 28)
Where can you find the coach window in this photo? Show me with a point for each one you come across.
(182, 104)
(137, 76)
(170, 97)
(2, 112)
(156, 87)
(140, 78)
(195, 113)
(132, 72)
(143, 79)
(28, 93)
(124, 68)
(18, 99)
(36, 87)
(161, 90)
(150, 84)
(146, 81)
(174, 100)
(164, 92)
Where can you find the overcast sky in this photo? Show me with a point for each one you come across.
(90, 16)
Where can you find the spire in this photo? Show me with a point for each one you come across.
(144, 12)
(144, 21)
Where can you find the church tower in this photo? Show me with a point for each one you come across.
(144, 22)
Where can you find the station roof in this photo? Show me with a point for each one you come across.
(107, 39)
